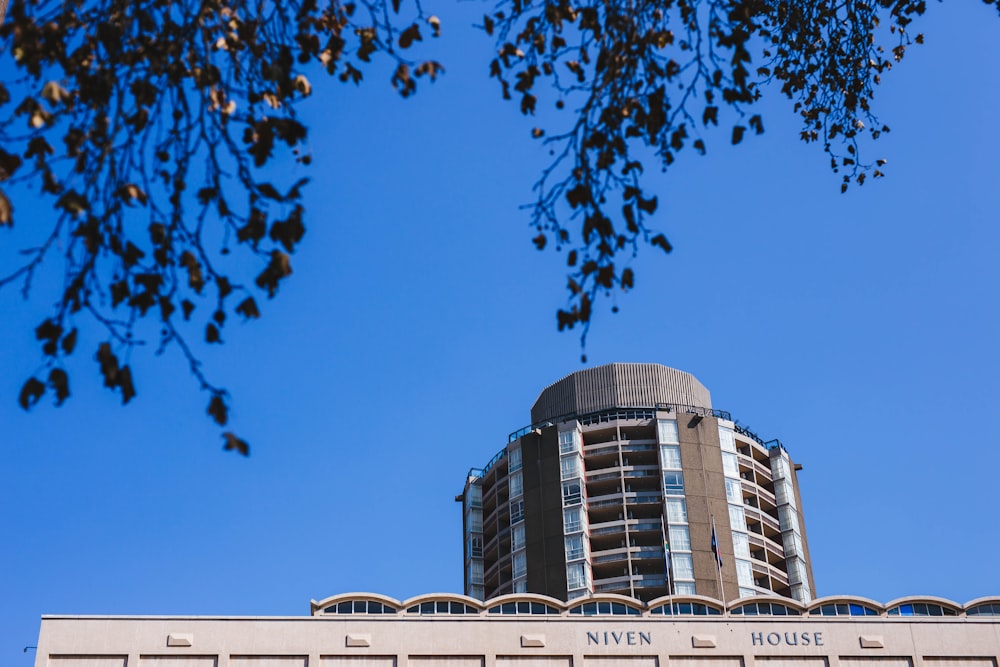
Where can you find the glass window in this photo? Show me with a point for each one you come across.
(517, 537)
(985, 609)
(667, 430)
(516, 511)
(571, 493)
(516, 485)
(683, 566)
(747, 592)
(572, 520)
(685, 588)
(670, 457)
(741, 545)
(476, 572)
(475, 519)
(567, 442)
(744, 573)
(680, 538)
(576, 575)
(475, 496)
(734, 492)
(730, 465)
(569, 466)
(514, 459)
(574, 547)
(520, 564)
(673, 483)
(726, 439)
(476, 546)
(676, 510)
(737, 518)
(520, 586)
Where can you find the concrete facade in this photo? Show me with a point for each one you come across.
(618, 486)
(364, 630)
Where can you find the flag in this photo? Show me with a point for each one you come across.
(715, 546)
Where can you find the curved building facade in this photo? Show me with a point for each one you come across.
(629, 482)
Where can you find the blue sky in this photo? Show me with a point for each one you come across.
(419, 327)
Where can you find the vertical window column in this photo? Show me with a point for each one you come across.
(519, 558)
(737, 517)
(473, 508)
(791, 537)
(578, 579)
(678, 560)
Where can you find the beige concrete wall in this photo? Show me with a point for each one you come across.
(483, 641)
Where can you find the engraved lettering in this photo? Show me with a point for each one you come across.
(617, 636)
(631, 638)
(805, 639)
(794, 641)
(645, 638)
(593, 638)
(773, 638)
(818, 638)
(758, 638)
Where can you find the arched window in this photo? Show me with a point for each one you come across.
(843, 609)
(523, 607)
(764, 609)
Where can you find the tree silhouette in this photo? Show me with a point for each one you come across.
(149, 125)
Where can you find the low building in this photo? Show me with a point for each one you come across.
(367, 630)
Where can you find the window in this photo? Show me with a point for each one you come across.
(685, 588)
(670, 457)
(569, 466)
(516, 511)
(680, 538)
(476, 572)
(985, 609)
(520, 564)
(441, 607)
(572, 520)
(475, 519)
(683, 566)
(567, 442)
(730, 465)
(673, 483)
(519, 586)
(744, 573)
(523, 607)
(734, 492)
(517, 537)
(571, 493)
(576, 575)
(741, 545)
(359, 607)
(920, 609)
(516, 485)
(476, 546)
(737, 518)
(475, 496)
(848, 609)
(764, 609)
(514, 459)
(726, 439)
(667, 430)
(676, 510)
(604, 609)
(574, 547)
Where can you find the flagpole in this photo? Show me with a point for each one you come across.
(718, 560)
(666, 562)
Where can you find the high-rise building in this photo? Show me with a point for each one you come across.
(628, 481)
